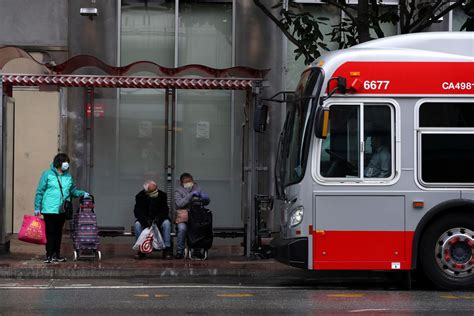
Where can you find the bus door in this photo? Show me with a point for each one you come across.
(359, 223)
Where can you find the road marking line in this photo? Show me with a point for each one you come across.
(81, 285)
(235, 295)
(468, 297)
(252, 262)
(449, 296)
(346, 295)
(139, 287)
(141, 295)
(368, 310)
(161, 295)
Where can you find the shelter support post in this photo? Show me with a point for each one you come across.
(251, 169)
(89, 102)
(170, 145)
(5, 217)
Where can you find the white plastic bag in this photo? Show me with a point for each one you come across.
(158, 242)
(143, 236)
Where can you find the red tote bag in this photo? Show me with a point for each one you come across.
(33, 230)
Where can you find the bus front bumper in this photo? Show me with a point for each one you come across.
(293, 252)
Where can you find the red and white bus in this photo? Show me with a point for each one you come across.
(376, 160)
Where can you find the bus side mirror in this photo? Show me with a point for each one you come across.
(321, 122)
(341, 85)
(260, 118)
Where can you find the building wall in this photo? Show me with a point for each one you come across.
(257, 38)
(34, 23)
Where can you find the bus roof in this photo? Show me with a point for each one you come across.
(456, 43)
(429, 46)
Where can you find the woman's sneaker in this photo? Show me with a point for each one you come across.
(58, 258)
(48, 260)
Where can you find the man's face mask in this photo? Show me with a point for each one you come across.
(188, 185)
(65, 166)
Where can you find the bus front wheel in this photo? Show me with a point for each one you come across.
(446, 252)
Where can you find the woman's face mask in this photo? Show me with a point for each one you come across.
(65, 166)
(188, 185)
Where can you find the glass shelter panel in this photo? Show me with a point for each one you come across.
(128, 149)
(207, 136)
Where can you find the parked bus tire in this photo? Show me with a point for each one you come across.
(446, 252)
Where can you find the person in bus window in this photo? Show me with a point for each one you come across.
(379, 165)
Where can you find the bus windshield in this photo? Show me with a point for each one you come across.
(295, 138)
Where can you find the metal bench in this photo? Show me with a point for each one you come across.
(220, 232)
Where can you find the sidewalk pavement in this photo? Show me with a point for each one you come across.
(225, 260)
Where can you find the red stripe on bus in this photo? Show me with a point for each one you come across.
(407, 77)
(362, 250)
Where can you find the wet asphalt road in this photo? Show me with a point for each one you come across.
(146, 297)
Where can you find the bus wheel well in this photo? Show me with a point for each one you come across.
(432, 216)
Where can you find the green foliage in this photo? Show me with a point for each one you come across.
(303, 29)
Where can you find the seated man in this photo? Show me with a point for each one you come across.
(182, 197)
(151, 205)
(379, 165)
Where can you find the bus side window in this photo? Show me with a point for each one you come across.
(377, 133)
(340, 150)
(341, 156)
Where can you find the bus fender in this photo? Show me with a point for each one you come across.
(432, 214)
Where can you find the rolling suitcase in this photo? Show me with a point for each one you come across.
(199, 231)
(85, 232)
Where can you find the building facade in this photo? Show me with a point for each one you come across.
(126, 144)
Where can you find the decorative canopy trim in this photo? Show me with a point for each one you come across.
(186, 77)
(127, 82)
(10, 53)
(77, 62)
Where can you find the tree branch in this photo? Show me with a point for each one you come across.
(344, 9)
(424, 18)
(282, 27)
(420, 27)
(376, 25)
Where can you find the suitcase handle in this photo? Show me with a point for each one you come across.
(89, 198)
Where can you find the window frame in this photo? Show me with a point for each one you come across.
(395, 145)
(420, 131)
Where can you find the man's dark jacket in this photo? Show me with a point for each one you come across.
(148, 209)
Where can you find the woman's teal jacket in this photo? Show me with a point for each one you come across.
(48, 195)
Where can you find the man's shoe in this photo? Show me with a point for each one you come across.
(167, 253)
(179, 255)
(48, 259)
(140, 256)
(58, 258)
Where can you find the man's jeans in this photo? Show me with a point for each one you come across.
(181, 227)
(165, 230)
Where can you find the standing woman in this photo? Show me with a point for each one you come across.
(55, 186)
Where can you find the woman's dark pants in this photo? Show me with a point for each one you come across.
(54, 233)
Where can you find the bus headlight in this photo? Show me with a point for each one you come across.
(296, 216)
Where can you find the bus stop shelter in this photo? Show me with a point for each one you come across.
(62, 76)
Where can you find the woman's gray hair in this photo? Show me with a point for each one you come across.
(147, 184)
